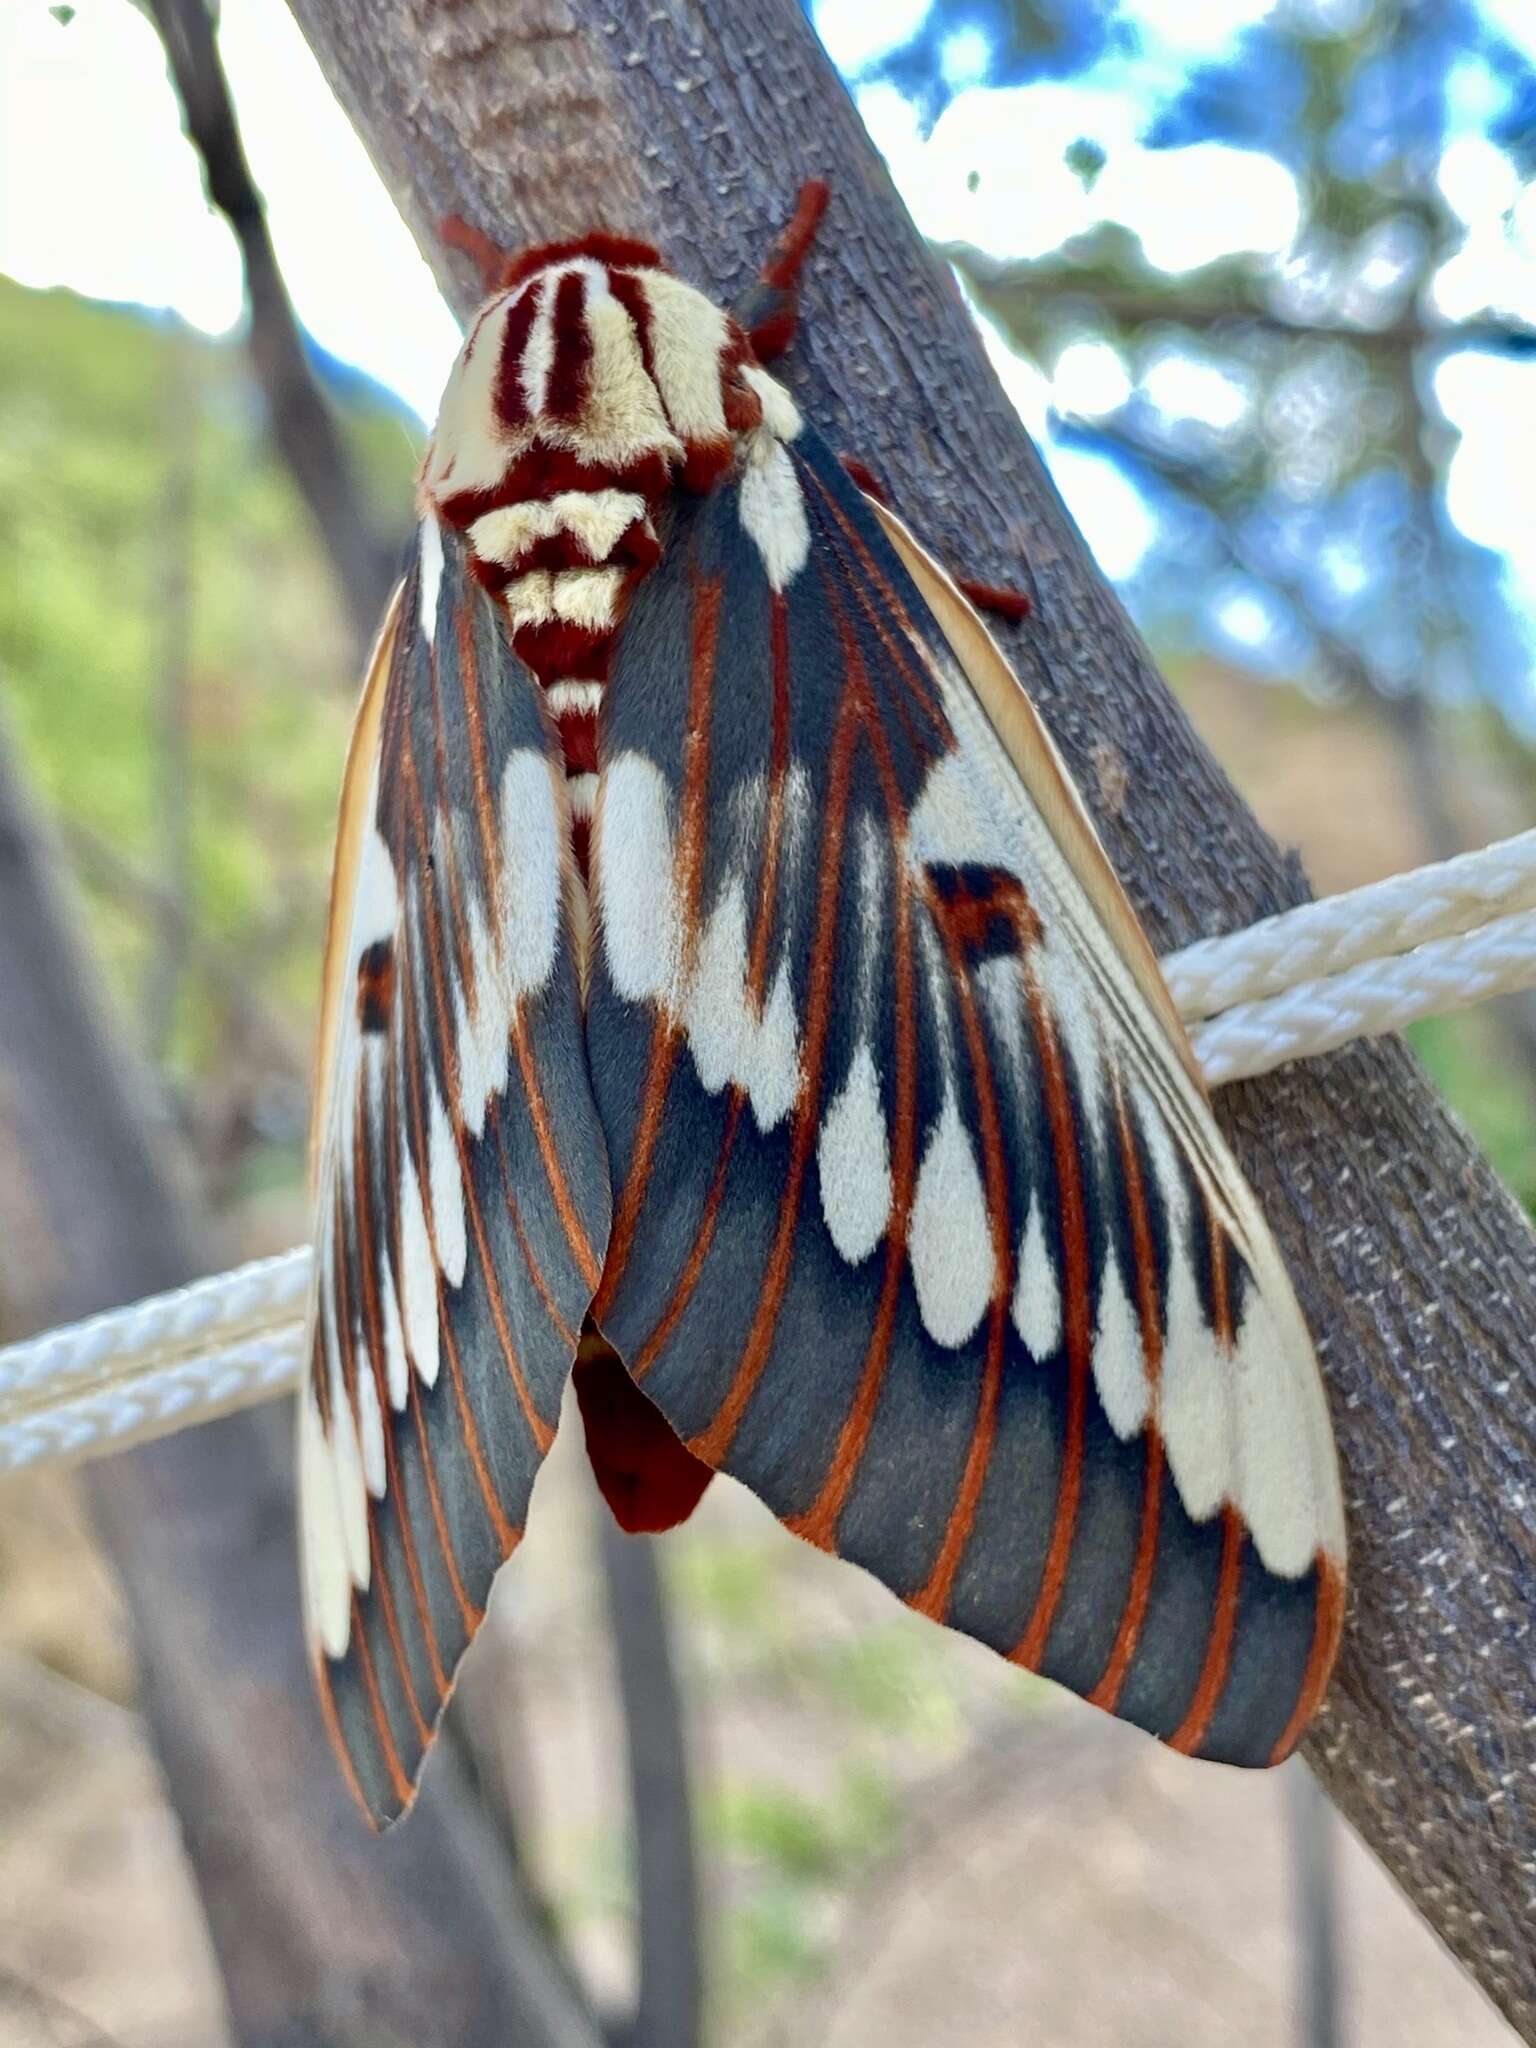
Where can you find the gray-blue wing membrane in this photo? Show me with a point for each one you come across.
(855, 1031)
(465, 1213)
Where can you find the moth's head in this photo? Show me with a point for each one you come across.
(590, 367)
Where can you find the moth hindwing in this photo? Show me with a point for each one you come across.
(726, 993)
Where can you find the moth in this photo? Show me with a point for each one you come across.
(727, 1000)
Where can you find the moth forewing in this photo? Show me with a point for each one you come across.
(1041, 769)
(1274, 1362)
(353, 819)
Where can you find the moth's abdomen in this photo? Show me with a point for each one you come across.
(586, 390)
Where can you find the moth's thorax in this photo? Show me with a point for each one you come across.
(589, 387)
(584, 378)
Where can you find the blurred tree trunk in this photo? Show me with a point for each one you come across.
(303, 427)
(172, 610)
(535, 118)
(327, 1938)
(668, 2004)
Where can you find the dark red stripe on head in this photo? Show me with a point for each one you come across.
(571, 357)
(631, 296)
(602, 248)
(507, 393)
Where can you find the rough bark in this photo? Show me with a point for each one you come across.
(693, 125)
(327, 1939)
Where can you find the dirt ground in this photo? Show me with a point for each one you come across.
(1040, 1875)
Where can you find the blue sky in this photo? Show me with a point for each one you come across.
(126, 219)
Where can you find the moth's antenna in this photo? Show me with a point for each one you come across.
(782, 270)
(488, 258)
(771, 310)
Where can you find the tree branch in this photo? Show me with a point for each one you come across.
(667, 2008)
(1415, 1266)
(302, 425)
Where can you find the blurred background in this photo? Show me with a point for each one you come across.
(1260, 276)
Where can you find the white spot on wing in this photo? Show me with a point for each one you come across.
(376, 904)
(773, 511)
(948, 824)
(370, 1428)
(530, 878)
(718, 1024)
(853, 1155)
(952, 1265)
(347, 1464)
(637, 887)
(1119, 1366)
(774, 1078)
(396, 1370)
(729, 1040)
(1275, 1482)
(430, 572)
(1037, 1295)
(1194, 1394)
(482, 1024)
(446, 1189)
(327, 1581)
(418, 1276)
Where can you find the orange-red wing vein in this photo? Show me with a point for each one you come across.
(819, 1523)
(373, 1322)
(1106, 1693)
(713, 1443)
(406, 1038)
(1077, 1325)
(934, 1598)
(1326, 1631)
(505, 1534)
(1191, 1731)
(693, 836)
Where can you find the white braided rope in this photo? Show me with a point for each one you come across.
(1302, 983)
(1365, 1000)
(1362, 925)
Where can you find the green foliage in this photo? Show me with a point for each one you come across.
(800, 1851)
(1488, 1090)
(131, 452)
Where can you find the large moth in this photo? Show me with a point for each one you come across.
(727, 998)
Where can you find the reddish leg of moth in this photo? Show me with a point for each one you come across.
(646, 1475)
(996, 598)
